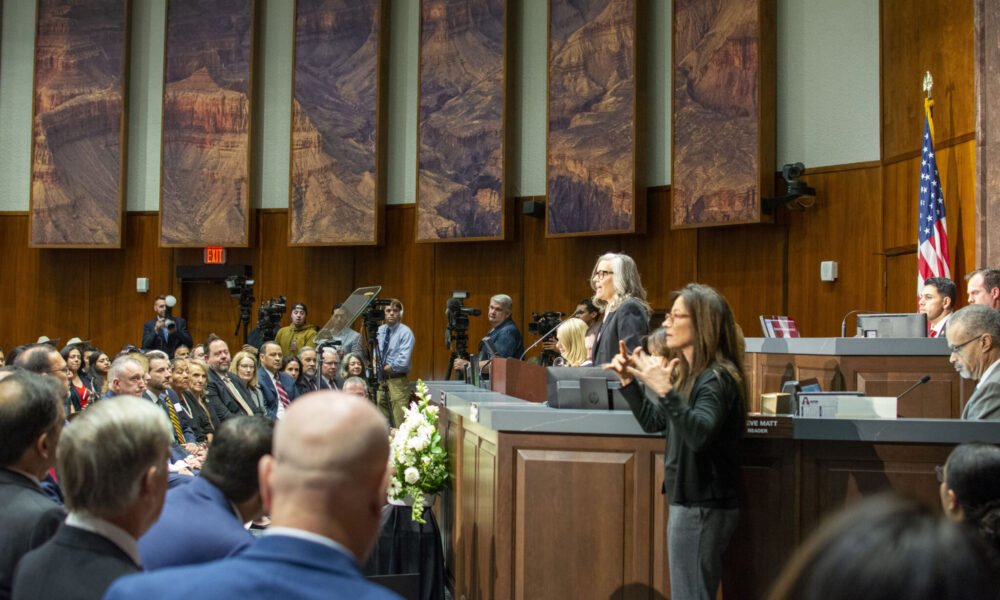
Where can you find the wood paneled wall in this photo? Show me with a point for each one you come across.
(863, 218)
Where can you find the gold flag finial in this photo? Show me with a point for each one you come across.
(928, 83)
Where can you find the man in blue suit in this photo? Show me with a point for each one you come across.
(203, 521)
(165, 332)
(324, 486)
(270, 378)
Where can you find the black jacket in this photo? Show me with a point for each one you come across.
(628, 322)
(27, 520)
(701, 467)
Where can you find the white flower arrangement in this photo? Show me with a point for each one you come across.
(419, 460)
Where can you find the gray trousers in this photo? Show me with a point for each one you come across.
(696, 539)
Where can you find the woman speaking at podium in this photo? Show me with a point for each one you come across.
(619, 293)
(697, 398)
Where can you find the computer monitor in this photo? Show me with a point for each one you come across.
(893, 325)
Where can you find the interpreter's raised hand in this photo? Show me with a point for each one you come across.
(620, 364)
(651, 371)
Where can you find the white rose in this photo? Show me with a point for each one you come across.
(417, 443)
(426, 459)
(412, 475)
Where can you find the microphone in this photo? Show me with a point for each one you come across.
(843, 324)
(919, 383)
(539, 341)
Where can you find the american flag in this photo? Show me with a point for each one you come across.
(932, 232)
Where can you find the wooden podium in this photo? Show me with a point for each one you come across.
(518, 379)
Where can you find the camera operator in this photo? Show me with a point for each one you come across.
(394, 353)
(165, 332)
(298, 335)
(504, 336)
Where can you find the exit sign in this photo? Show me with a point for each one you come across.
(215, 255)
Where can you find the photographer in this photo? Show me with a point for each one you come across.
(165, 332)
(298, 335)
(504, 336)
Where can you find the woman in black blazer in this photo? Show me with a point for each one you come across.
(619, 293)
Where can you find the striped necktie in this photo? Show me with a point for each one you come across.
(174, 420)
(282, 394)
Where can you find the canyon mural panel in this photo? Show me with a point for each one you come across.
(461, 166)
(716, 166)
(77, 176)
(337, 185)
(591, 126)
(204, 187)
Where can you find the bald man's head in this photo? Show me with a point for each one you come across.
(328, 469)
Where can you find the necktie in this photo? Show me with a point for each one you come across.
(236, 395)
(385, 347)
(172, 413)
(282, 394)
(932, 333)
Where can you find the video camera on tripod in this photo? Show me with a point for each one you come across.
(269, 317)
(457, 330)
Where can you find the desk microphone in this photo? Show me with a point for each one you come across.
(843, 324)
(539, 341)
(919, 383)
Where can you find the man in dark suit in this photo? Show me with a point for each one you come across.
(278, 388)
(113, 462)
(324, 486)
(31, 421)
(183, 445)
(203, 521)
(225, 393)
(165, 332)
(974, 340)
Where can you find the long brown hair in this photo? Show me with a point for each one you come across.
(718, 341)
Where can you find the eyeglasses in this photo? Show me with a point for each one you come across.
(602, 274)
(674, 316)
(939, 473)
(958, 348)
(64, 371)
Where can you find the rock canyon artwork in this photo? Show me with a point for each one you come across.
(717, 169)
(591, 136)
(77, 173)
(205, 196)
(337, 184)
(460, 177)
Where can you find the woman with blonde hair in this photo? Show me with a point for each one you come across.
(244, 366)
(571, 341)
(618, 292)
(204, 417)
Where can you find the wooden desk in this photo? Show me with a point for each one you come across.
(550, 503)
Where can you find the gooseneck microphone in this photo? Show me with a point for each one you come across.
(538, 341)
(919, 383)
(843, 324)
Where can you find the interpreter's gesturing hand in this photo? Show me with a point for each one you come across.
(650, 370)
(620, 364)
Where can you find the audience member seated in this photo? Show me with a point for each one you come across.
(974, 340)
(352, 365)
(277, 387)
(204, 417)
(79, 394)
(163, 333)
(44, 359)
(226, 394)
(113, 462)
(970, 490)
(324, 487)
(329, 368)
(244, 367)
(180, 383)
(203, 521)
(31, 420)
(887, 548)
(937, 301)
(357, 386)
(298, 335)
(309, 379)
(291, 366)
(126, 376)
(97, 374)
(184, 445)
(198, 352)
(571, 342)
(984, 287)
(182, 351)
